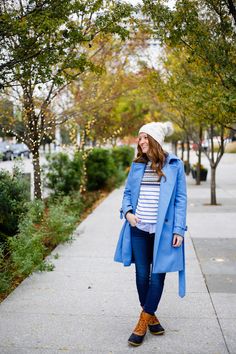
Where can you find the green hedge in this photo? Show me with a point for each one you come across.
(105, 168)
(63, 175)
(13, 197)
(100, 167)
(123, 155)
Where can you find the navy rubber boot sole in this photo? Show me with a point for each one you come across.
(156, 329)
(135, 339)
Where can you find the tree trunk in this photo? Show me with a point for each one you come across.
(213, 168)
(188, 151)
(215, 161)
(213, 185)
(182, 150)
(198, 177)
(37, 174)
(188, 158)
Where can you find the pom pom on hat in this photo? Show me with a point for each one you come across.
(158, 130)
(168, 128)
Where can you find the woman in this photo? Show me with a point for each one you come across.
(154, 205)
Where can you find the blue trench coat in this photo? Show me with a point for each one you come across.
(171, 219)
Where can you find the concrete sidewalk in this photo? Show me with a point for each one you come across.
(88, 304)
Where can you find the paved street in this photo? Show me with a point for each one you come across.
(88, 304)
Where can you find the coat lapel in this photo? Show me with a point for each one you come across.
(138, 173)
(166, 190)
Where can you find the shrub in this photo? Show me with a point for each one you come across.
(63, 175)
(116, 179)
(35, 211)
(59, 224)
(123, 155)
(203, 172)
(5, 276)
(100, 167)
(194, 167)
(5, 281)
(39, 232)
(72, 203)
(13, 198)
(27, 254)
(26, 248)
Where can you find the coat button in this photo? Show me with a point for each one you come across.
(166, 220)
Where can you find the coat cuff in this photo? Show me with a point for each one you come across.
(128, 210)
(179, 230)
(124, 212)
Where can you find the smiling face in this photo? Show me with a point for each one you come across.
(143, 142)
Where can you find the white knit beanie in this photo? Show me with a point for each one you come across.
(158, 130)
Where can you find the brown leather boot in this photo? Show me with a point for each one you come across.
(140, 330)
(154, 326)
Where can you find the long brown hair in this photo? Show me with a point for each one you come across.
(157, 154)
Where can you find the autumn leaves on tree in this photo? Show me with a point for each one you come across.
(82, 64)
(45, 46)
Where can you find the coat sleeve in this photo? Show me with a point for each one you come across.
(180, 202)
(126, 202)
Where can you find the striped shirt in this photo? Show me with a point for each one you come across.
(147, 208)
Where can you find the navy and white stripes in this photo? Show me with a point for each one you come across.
(147, 208)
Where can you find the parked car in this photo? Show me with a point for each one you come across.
(20, 150)
(6, 152)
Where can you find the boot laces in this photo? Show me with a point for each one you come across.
(153, 320)
(141, 327)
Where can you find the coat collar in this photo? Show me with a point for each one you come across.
(170, 157)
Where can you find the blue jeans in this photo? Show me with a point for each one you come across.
(149, 285)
